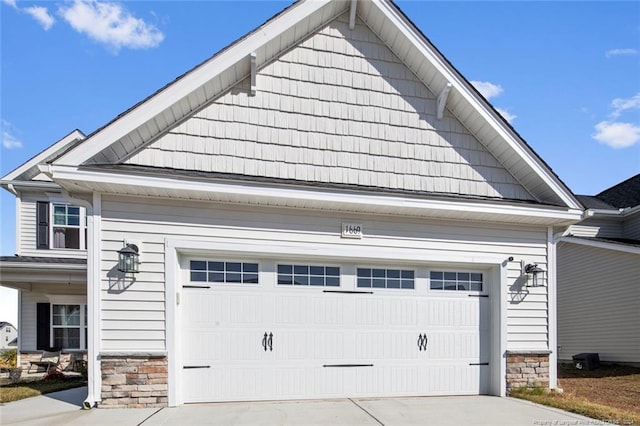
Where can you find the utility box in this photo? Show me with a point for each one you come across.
(586, 361)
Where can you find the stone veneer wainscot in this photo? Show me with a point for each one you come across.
(133, 381)
(527, 369)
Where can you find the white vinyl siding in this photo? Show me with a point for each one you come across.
(602, 228)
(339, 108)
(27, 218)
(59, 294)
(133, 313)
(598, 303)
(631, 227)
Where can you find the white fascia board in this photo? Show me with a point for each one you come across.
(190, 82)
(30, 184)
(326, 197)
(487, 113)
(44, 155)
(43, 266)
(630, 211)
(601, 244)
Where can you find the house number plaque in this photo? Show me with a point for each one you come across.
(351, 230)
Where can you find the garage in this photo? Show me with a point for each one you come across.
(275, 329)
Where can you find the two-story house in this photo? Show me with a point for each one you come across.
(50, 265)
(325, 208)
(599, 277)
(8, 335)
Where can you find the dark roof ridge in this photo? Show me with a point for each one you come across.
(624, 194)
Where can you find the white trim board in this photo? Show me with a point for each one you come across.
(89, 180)
(602, 245)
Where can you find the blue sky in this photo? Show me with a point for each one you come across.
(566, 74)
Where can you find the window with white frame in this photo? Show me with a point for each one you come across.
(455, 281)
(309, 275)
(68, 225)
(385, 278)
(219, 271)
(69, 326)
(60, 226)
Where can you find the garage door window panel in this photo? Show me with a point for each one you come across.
(309, 275)
(223, 272)
(386, 278)
(456, 281)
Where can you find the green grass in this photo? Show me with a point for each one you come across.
(577, 405)
(17, 391)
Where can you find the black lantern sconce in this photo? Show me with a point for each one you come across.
(535, 274)
(128, 259)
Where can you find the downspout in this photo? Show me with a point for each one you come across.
(552, 244)
(94, 377)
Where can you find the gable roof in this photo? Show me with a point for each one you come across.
(593, 202)
(142, 124)
(623, 195)
(29, 169)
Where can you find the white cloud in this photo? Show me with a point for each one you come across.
(110, 24)
(617, 135)
(41, 14)
(490, 90)
(9, 141)
(621, 52)
(506, 114)
(487, 89)
(11, 3)
(620, 105)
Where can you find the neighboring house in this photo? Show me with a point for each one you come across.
(8, 334)
(325, 208)
(599, 277)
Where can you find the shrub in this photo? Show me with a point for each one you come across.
(9, 358)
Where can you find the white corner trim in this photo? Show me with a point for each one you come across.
(94, 285)
(18, 217)
(442, 101)
(552, 308)
(602, 245)
(504, 335)
(173, 324)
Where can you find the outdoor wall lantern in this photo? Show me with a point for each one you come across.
(128, 259)
(534, 274)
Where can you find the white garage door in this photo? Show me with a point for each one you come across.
(310, 331)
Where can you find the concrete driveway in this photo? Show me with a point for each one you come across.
(63, 408)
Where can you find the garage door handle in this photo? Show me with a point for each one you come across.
(270, 342)
(264, 341)
(422, 342)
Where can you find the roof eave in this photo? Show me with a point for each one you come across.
(78, 180)
(53, 151)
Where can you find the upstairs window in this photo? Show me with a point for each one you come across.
(60, 226)
(66, 226)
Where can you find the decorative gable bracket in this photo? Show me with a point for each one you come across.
(252, 56)
(352, 14)
(442, 101)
